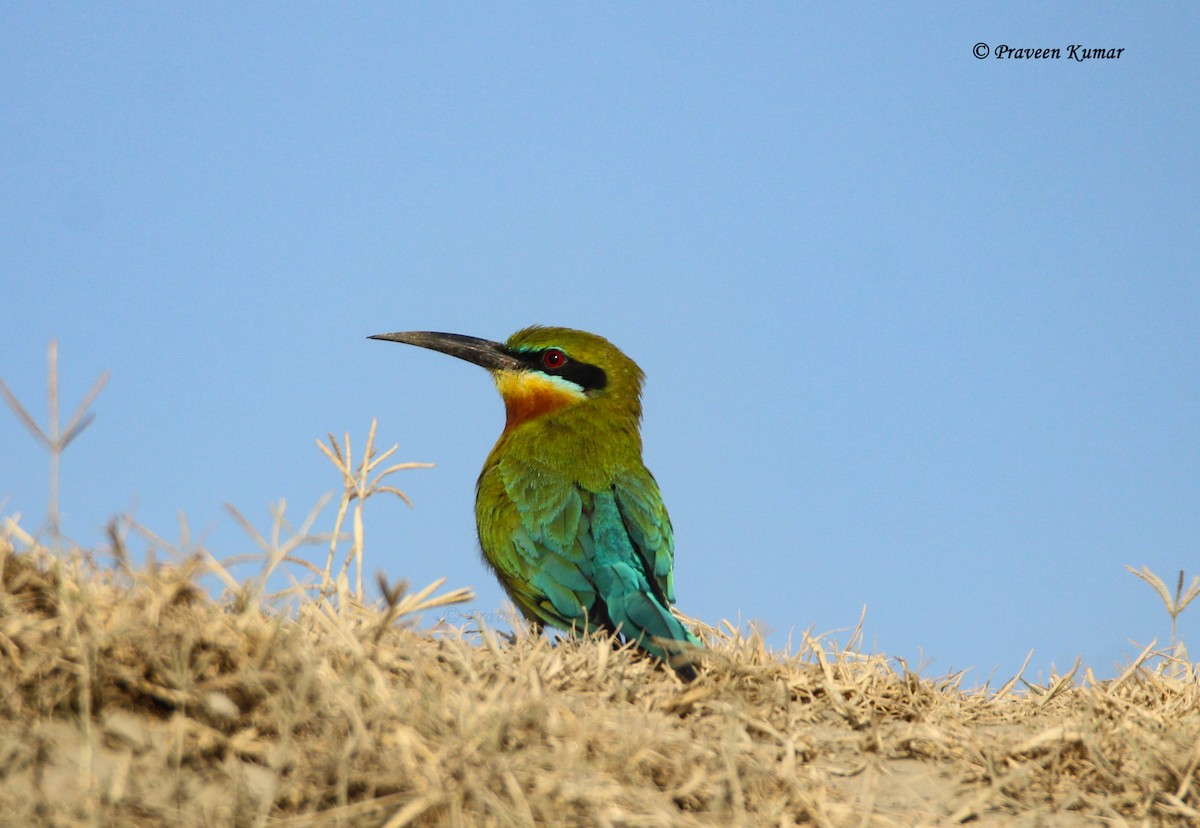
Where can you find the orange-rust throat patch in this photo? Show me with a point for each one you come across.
(527, 396)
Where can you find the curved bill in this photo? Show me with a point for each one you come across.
(484, 352)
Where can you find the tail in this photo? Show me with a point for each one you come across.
(635, 611)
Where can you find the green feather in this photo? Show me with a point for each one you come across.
(568, 516)
(580, 558)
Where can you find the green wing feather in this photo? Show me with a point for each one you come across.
(534, 536)
(578, 558)
(649, 527)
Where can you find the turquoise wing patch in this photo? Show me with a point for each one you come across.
(553, 543)
(645, 517)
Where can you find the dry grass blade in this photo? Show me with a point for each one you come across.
(25, 417)
(81, 419)
(398, 605)
(1182, 599)
(1058, 685)
(1174, 605)
(276, 550)
(1134, 667)
(1012, 682)
(54, 440)
(1155, 582)
(422, 602)
(357, 488)
(13, 529)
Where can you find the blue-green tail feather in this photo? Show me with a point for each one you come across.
(634, 600)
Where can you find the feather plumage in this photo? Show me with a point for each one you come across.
(569, 517)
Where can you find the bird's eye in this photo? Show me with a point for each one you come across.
(554, 359)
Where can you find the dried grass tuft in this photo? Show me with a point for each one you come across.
(131, 696)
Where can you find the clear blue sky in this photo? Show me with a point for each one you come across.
(921, 331)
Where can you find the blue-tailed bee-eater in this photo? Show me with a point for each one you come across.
(568, 516)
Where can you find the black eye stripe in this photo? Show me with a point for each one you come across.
(588, 377)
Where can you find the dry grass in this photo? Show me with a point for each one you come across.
(129, 695)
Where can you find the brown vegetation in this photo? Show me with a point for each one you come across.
(129, 695)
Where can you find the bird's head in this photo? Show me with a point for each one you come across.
(540, 370)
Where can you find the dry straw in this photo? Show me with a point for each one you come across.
(129, 695)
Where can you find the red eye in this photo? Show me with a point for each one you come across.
(554, 358)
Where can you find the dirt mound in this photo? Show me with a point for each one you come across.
(130, 696)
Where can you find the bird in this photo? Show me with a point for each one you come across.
(569, 518)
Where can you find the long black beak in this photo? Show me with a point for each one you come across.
(491, 355)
